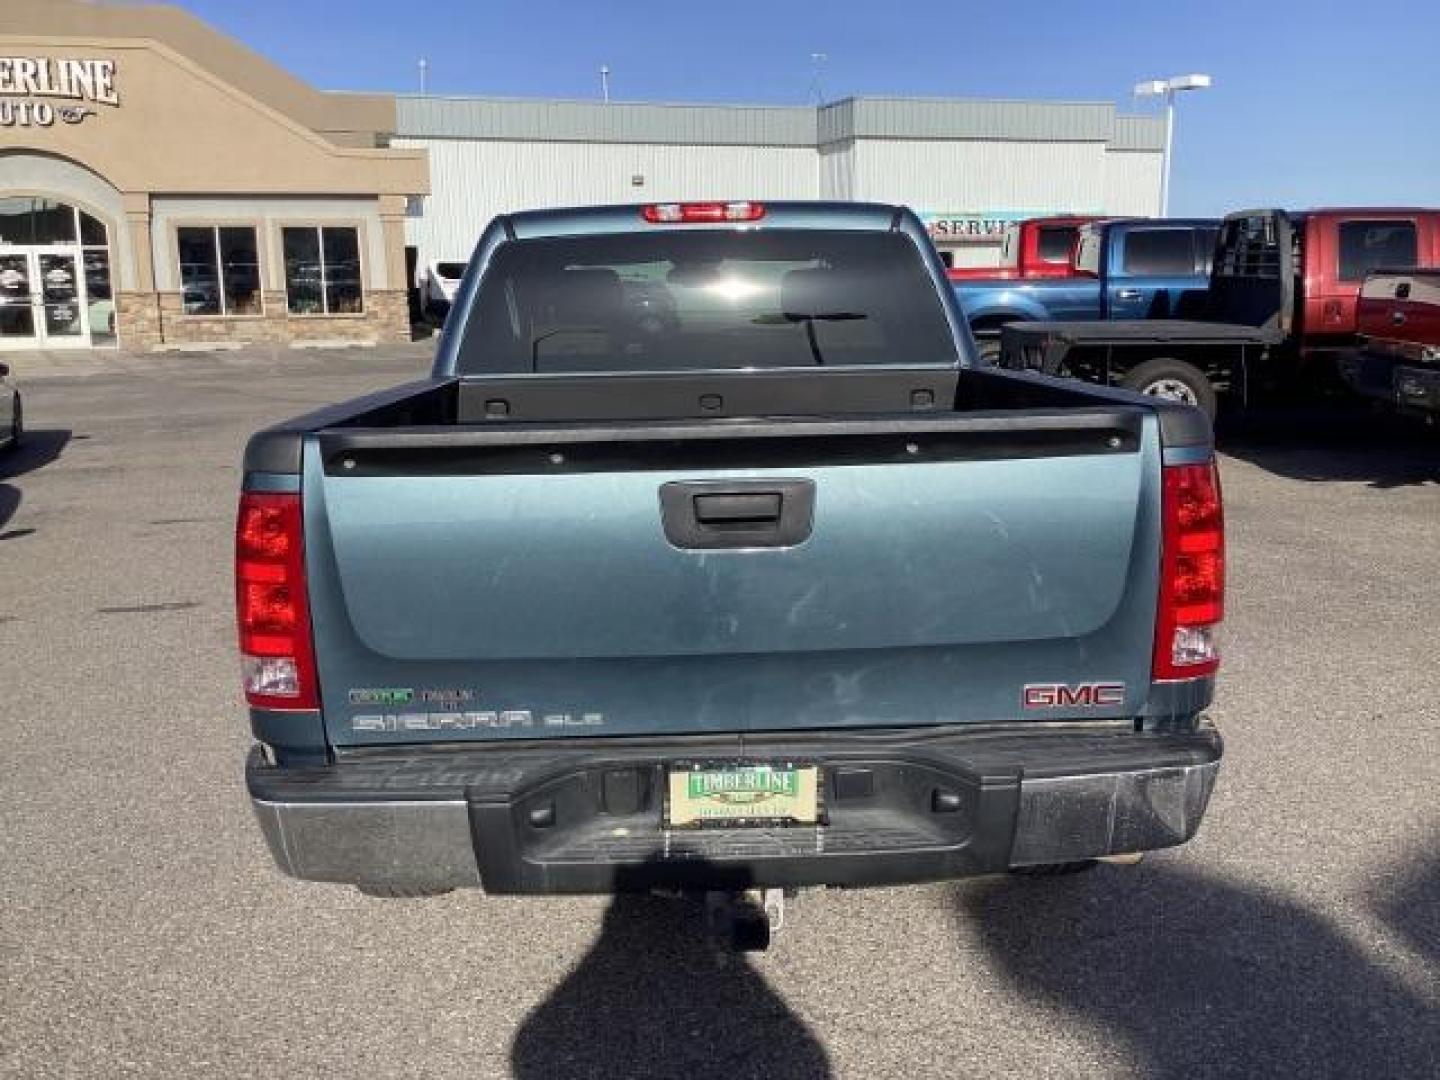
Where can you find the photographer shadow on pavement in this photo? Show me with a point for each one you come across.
(1203, 977)
(38, 448)
(654, 998)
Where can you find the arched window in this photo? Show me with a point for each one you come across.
(33, 220)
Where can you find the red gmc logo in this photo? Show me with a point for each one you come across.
(1090, 695)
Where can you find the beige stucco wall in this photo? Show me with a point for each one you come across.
(204, 132)
(344, 118)
(180, 129)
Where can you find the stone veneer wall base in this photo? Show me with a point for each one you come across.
(157, 322)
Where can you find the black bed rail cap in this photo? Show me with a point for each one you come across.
(277, 449)
(1181, 425)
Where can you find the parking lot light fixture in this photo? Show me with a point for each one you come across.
(1168, 88)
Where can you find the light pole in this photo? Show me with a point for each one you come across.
(1168, 88)
(817, 85)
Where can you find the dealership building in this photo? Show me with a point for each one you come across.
(967, 167)
(161, 185)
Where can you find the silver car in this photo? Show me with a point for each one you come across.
(12, 418)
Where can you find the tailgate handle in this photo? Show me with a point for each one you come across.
(717, 509)
(703, 514)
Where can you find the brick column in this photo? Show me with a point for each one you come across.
(392, 311)
(137, 309)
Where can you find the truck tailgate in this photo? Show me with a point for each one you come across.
(520, 581)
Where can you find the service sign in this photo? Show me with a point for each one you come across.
(41, 91)
(971, 226)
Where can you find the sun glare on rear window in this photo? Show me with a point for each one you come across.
(704, 300)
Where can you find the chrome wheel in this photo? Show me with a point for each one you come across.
(1172, 390)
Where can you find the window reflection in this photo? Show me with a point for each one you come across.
(342, 271)
(240, 263)
(322, 271)
(101, 296)
(33, 219)
(54, 222)
(219, 270)
(92, 230)
(199, 273)
(16, 226)
(66, 293)
(304, 284)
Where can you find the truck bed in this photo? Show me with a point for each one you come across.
(419, 410)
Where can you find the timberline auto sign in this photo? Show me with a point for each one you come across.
(36, 91)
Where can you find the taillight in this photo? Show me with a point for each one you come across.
(1192, 573)
(276, 655)
(668, 213)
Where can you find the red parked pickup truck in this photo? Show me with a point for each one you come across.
(1340, 247)
(1399, 324)
(1034, 248)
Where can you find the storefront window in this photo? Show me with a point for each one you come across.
(54, 222)
(41, 294)
(219, 270)
(322, 271)
(99, 293)
(33, 219)
(92, 230)
(16, 225)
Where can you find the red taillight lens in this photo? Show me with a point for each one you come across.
(1192, 573)
(682, 213)
(276, 654)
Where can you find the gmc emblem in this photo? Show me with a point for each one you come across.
(1089, 695)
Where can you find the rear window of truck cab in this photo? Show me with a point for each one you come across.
(705, 300)
(1159, 251)
(1366, 245)
(1055, 242)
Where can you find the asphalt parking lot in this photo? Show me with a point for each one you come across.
(144, 931)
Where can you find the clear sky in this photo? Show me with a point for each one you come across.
(1315, 101)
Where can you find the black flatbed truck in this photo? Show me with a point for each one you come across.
(1247, 341)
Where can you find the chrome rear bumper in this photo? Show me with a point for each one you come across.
(550, 821)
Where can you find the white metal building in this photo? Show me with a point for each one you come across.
(967, 167)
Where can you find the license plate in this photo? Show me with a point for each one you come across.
(743, 794)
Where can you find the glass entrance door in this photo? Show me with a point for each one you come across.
(43, 299)
(63, 317)
(62, 298)
(55, 285)
(17, 312)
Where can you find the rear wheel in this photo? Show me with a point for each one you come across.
(1174, 380)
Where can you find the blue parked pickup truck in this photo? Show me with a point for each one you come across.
(1124, 269)
(778, 589)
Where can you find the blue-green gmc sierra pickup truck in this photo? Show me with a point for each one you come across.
(709, 559)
